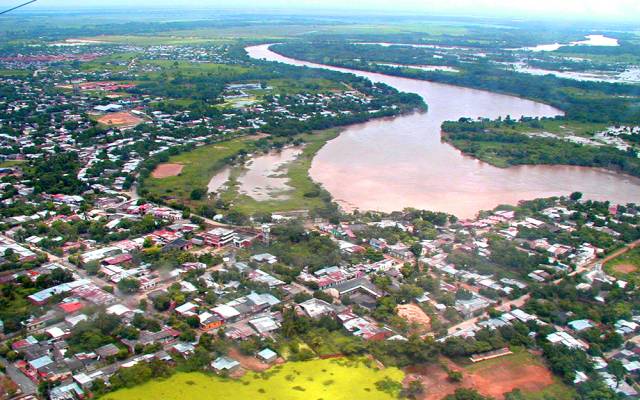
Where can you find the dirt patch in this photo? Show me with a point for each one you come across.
(506, 376)
(414, 314)
(495, 380)
(166, 170)
(625, 268)
(120, 119)
(252, 363)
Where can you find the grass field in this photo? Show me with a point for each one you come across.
(199, 166)
(11, 163)
(336, 379)
(626, 266)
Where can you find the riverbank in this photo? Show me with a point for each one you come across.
(505, 146)
(303, 192)
(393, 163)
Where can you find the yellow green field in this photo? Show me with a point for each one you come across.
(335, 379)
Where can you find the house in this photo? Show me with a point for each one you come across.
(224, 364)
(264, 324)
(267, 355)
(265, 258)
(580, 325)
(316, 308)
(210, 321)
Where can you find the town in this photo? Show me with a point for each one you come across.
(121, 264)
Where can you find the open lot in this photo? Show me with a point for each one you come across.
(626, 265)
(494, 378)
(414, 315)
(166, 170)
(335, 379)
(120, 119)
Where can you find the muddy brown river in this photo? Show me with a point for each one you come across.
(400, 162)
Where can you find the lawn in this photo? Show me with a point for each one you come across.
(333, 379)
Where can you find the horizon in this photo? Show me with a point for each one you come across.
(623, 11)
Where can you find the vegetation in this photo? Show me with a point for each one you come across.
(328, 379)
(494, 142)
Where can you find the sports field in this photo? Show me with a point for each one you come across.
(494, 378)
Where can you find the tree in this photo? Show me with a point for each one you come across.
(575, 196)
(617, 369)
(413, 390)
(416, 249)
(128, 285)
(454, 376)
(198, 193)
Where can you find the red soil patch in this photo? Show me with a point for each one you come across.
(120, 119)
(625, 268)
(166, 170)
(494, 381)
(414, 314)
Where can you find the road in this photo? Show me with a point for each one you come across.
(466, 324)
(519, 302)
(25, 384)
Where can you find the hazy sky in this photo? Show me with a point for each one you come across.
(609, 9)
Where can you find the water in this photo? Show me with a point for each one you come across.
(401, 162)
(263, 177)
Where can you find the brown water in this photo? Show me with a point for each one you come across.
(264, 177)
(400, 162)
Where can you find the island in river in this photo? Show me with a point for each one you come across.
(393, 163)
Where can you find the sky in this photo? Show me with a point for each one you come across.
(580, 9)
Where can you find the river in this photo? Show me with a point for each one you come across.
(399, 162)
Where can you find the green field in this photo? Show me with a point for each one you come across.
(622, 266)
(334, 379)
(11, 163)
(199, 166)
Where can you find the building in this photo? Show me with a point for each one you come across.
(219, 237)
(224, 364)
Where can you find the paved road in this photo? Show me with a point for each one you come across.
(466, 324)
(25, 384)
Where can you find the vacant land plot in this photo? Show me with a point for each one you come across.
(625, 266)
(166, 170)
(414, 315)
(336, 379)
(120, 119)
(494, 378)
